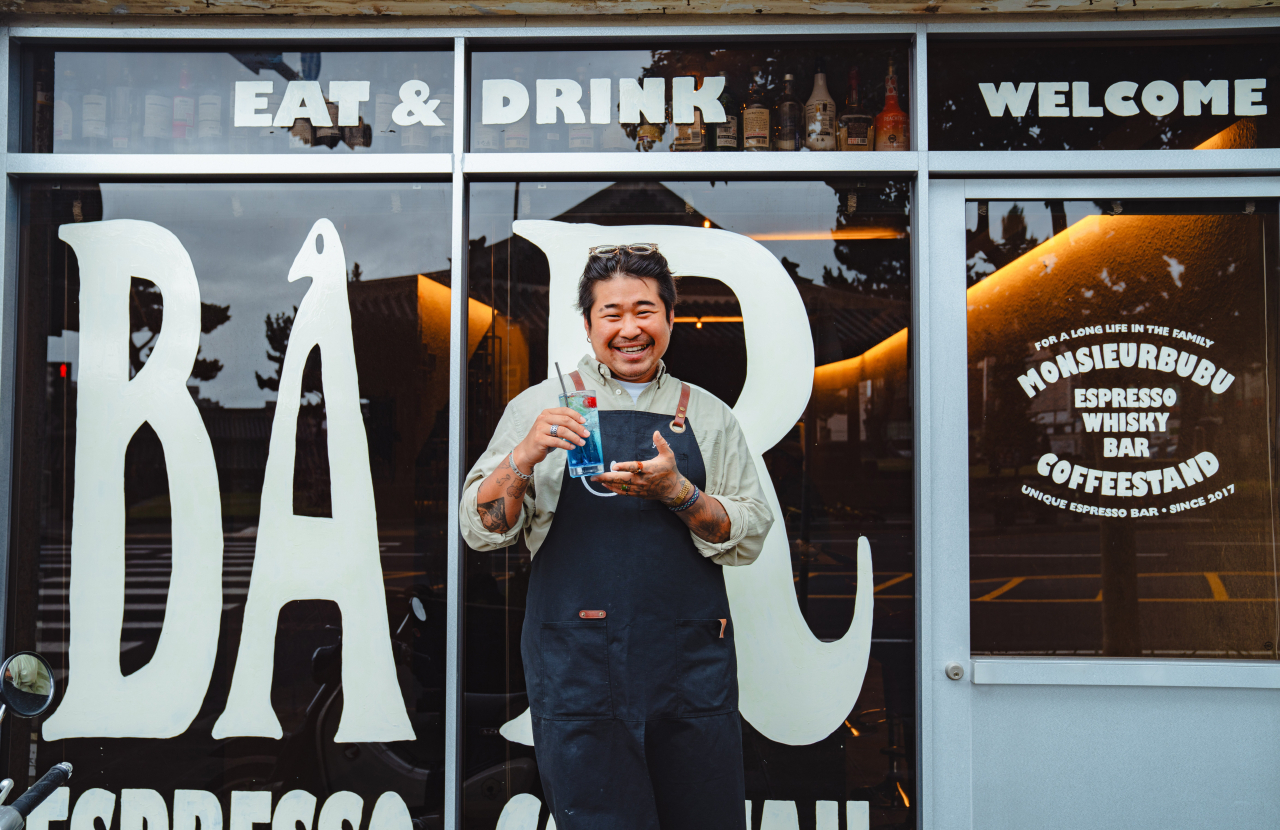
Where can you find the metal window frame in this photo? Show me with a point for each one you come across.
(940, 489)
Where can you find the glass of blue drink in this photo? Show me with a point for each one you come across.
(587, 460)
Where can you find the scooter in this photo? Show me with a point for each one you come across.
(26, 689)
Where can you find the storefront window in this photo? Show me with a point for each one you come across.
(841, 470)
(829, 95)
(1209, 93)
(233, 460)
(252, 101)
(1121, 417)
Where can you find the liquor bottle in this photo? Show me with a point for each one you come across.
(124, 129)
(691, 137)
(727, 135)
(649, 134)
(583, 137)
(892, 127)
(42, 118)
(788, 118)
(517, 136)
(857, 127)
(66, 108)
(184, 114)
(756, 132)
(93, 121)
(209, 118)
(157, 119)
(820, 115)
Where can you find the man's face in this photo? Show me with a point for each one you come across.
(629, 327)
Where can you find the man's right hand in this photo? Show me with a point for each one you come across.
(570, 433)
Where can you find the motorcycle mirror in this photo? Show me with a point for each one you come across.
(419, 610)
(27, 686)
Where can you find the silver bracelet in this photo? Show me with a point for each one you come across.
(511, 460)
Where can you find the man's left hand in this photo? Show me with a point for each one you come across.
(658, 478)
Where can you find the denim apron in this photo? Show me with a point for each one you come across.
(629, 657)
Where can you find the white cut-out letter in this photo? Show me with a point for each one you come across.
(503, 101)
(1053, 99)
(632, 100)
(294, 807)
(303, 99)
(560, 94)
(53, 808)
(139, 806)
(348, 95)
(95, 804)
(1080, 107)
(1214, 93)
(192, 805)
(601, 101)
(520, 813)
(684, 99)
(1119, 98)
(160, 699)
(339, 807)
(390, 813)
(249, 808)
(304, 557)
(249, 99)
(793, 687)
(1249, 96)
(1017, 100)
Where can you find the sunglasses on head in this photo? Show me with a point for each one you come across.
(610, 250)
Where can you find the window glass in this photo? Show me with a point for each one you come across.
(1205, 93)
(841, 470)
(774, 98)
(230, 466)
(1121, 408)
(251, 101)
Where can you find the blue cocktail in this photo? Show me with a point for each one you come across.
(587, 460)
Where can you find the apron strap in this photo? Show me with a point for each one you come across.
(682, 409)
(576, 377)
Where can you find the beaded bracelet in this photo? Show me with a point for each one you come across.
(689, 503)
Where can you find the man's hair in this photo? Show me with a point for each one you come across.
(623, 263)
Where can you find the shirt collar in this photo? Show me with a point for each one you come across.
(597, 371)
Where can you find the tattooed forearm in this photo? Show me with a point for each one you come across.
(707, 519)
(493, 515)
(500, 498)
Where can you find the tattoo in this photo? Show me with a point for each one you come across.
(708, 520)
(493, 515)
(517, 488)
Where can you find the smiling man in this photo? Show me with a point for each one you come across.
(627, 641)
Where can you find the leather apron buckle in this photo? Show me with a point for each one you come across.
(593, 615)
(682, 408)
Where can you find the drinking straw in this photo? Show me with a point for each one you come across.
(560, 375)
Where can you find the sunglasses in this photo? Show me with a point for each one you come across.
(610, 250)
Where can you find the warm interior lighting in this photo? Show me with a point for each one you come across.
(706, 223)
(905, 802)
(866, 232)
(855, 732)
(698, 321)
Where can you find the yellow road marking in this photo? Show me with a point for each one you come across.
(1215, 585)
(1008, 586)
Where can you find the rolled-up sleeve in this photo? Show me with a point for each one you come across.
(510, 431)
(732, 479)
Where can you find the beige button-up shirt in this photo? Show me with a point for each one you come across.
(731, 472)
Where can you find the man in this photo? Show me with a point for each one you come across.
(628, 643)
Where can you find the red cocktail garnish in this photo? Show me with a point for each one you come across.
(591, 403)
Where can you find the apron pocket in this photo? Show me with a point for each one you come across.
(575, 669)
(707, 681)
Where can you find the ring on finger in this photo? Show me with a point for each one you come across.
(639, 468)
(624, 487)
(554, 429)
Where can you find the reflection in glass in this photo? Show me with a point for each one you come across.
(28, 684)
(1120, 401)
(844, 470)
(236, 102)
(574, 98)
(242, 239)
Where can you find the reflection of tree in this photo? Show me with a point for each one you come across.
(1017, 240)
(146, 313)
(311, 483)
